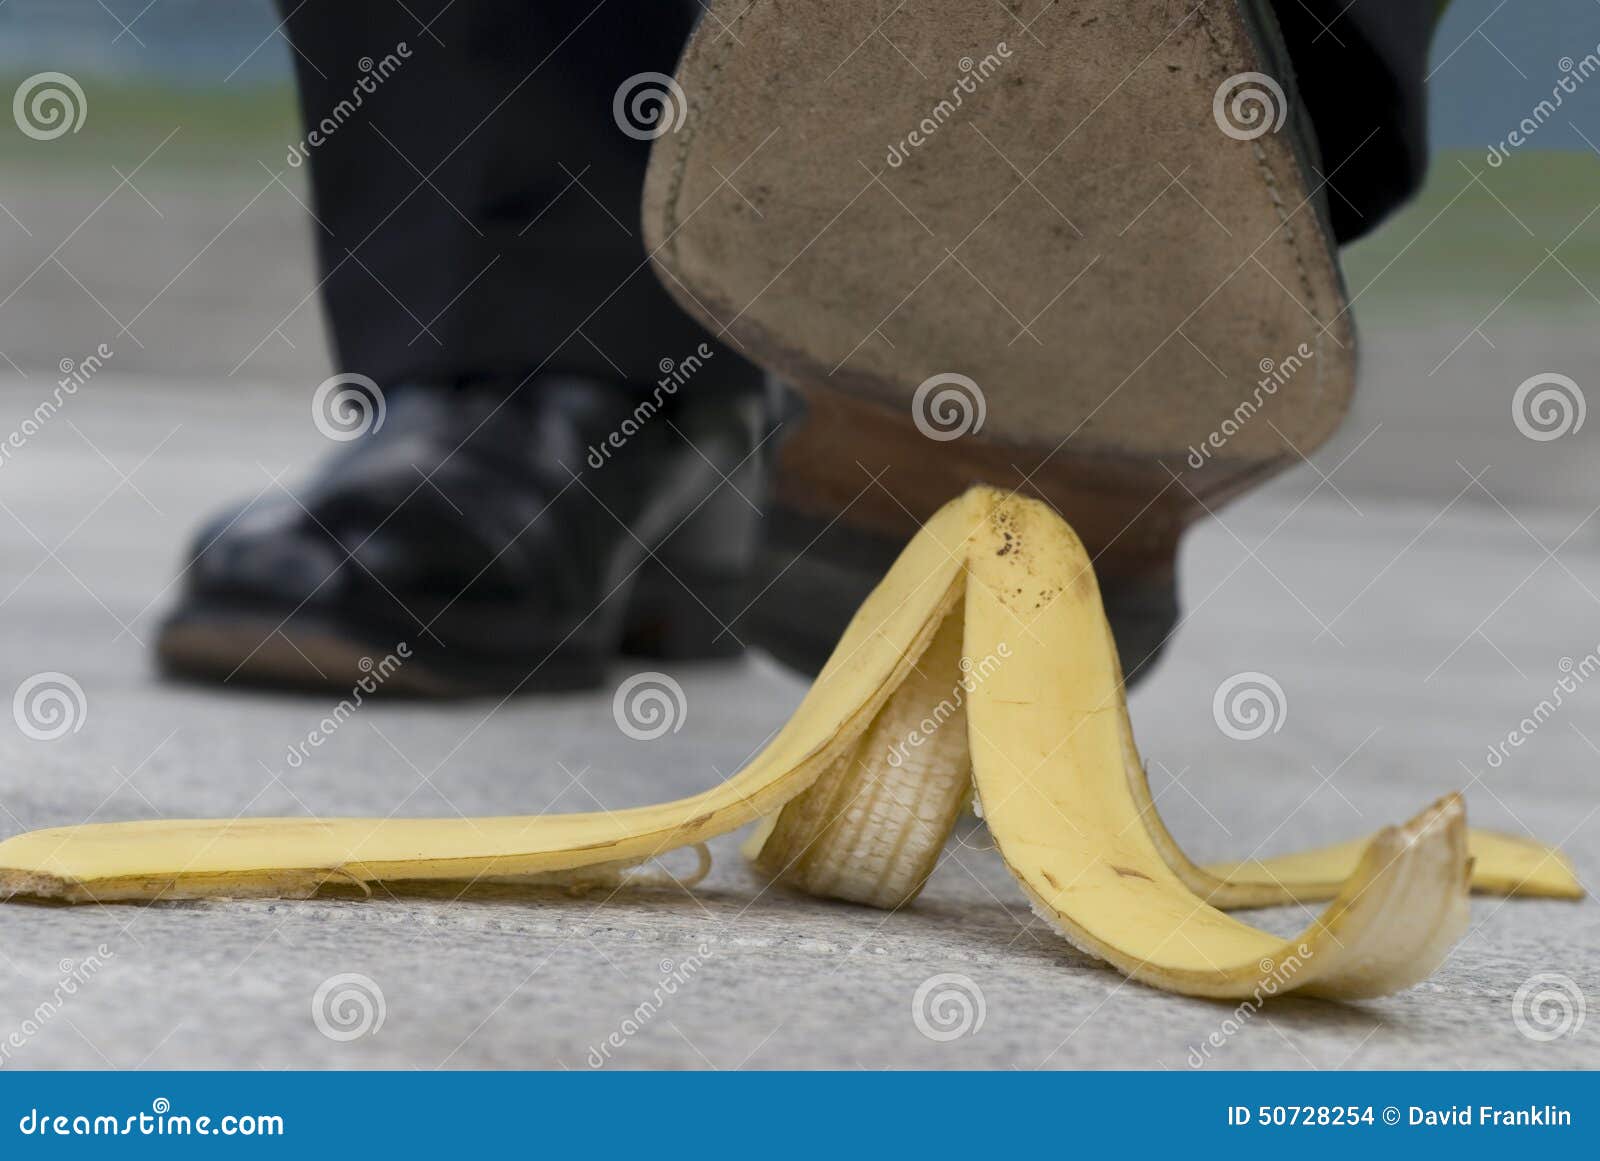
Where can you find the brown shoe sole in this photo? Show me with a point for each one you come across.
(261, 644)
(1013, 245)
(263, 653)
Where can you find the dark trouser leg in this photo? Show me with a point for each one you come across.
(479, 211)
(1360, 68)
(522, 249)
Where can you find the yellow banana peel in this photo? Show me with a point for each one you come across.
(980, 670)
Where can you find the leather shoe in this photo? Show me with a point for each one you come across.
(484, 539)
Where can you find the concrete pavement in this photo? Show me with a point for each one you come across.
(1408, 633)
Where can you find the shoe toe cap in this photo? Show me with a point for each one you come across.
(265, 551)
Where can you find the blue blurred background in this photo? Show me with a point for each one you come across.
(174, 207)
(1490, 55)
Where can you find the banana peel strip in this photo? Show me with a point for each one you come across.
(1502, 864)
(1050, 751)
(909, 774)
(297, 857)
(1047, 734)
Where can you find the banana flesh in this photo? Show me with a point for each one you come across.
(980, 670)
(871, 828)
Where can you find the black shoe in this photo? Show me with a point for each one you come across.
(474, 543)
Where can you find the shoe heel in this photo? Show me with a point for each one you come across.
(684, 615)
(687, 597)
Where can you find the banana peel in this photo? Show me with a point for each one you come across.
(1502, 864)
(1048, 741)
(789, 845)
(982, 671)
(297, 857)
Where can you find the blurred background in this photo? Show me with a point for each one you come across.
(1415, 590)
(172, 227)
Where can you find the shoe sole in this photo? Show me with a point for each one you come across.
(658, 617)
(1069, 279)
(306, 654)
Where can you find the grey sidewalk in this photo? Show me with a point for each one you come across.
(1408, 636)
